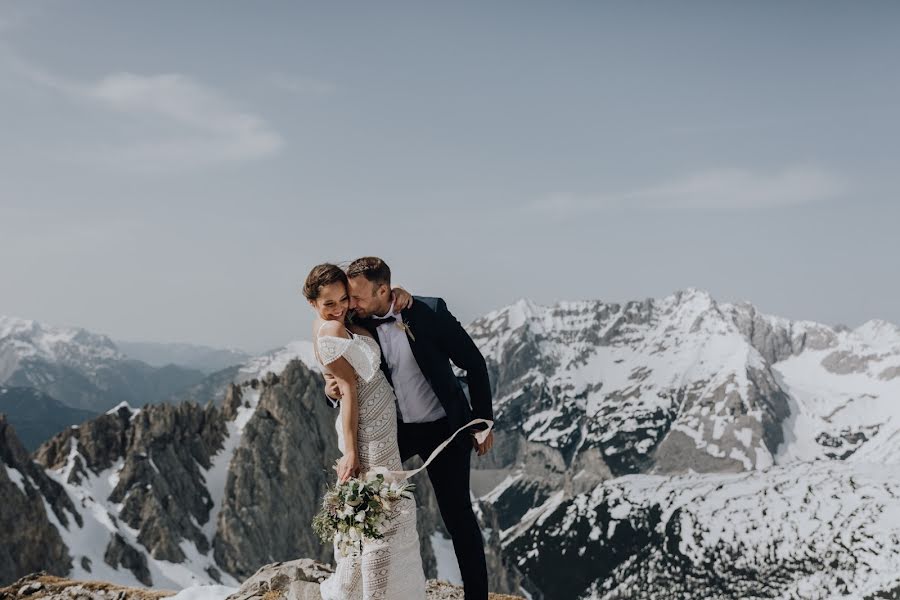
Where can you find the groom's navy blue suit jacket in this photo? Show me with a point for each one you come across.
(440, 339)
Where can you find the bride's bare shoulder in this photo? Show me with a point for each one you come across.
(331, 328)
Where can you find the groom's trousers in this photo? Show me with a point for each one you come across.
(449, 475)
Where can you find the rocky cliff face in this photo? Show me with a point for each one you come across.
(138, 473)
(277, 476)
(30, 542)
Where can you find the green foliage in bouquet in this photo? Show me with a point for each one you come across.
(358, 509)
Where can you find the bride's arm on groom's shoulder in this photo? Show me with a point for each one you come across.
(402, 298)
(455, 341)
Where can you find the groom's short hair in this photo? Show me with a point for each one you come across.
(372, 268)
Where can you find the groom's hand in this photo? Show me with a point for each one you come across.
(332, 389)
(483, 447)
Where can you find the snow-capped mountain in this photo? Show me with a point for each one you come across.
(818, 530)
(81, 369)
(684, 382)
(24, 340)
(672, 447)
(641, 444)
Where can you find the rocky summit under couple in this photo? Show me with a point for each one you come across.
(388, 362)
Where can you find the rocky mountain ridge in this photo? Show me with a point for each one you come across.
(639, 446)
(685, 381)
(176, 495)
(672, 401)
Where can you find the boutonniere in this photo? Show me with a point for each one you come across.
(404, 326)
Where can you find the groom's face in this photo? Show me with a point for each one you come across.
(367, 298)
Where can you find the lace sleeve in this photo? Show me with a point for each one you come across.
(358, 354)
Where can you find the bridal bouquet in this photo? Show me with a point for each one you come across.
(358, 509)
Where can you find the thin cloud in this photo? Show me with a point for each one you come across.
(715, 189)
(214, 131)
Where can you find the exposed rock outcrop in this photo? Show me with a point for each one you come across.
(299, 580)
(41, 585)
(294, 580)
(277, 475)
(30, 542)
(158, 453)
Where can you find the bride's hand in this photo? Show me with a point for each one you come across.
(348, 467)
(402, 299)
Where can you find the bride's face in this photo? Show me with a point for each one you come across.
(332, 303)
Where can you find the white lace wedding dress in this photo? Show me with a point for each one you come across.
(389, 568)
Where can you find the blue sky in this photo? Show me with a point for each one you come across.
(171, 171)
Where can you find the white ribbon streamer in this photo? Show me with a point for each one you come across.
(480, 436)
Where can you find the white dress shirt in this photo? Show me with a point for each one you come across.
(416, 401)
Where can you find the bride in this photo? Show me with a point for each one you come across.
(390, 567)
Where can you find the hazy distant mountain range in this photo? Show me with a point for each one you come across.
(37, 416)
(82, 369)
(189, 356)
(56, 376)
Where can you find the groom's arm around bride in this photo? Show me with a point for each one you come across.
(434, 335)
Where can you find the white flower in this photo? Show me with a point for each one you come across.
(360, 517)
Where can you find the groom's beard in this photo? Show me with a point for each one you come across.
(361, 313)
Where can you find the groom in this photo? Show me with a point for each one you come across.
(417, 346)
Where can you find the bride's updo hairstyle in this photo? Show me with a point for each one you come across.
(320, 276)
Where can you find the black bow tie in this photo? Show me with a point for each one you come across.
(371, 323)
